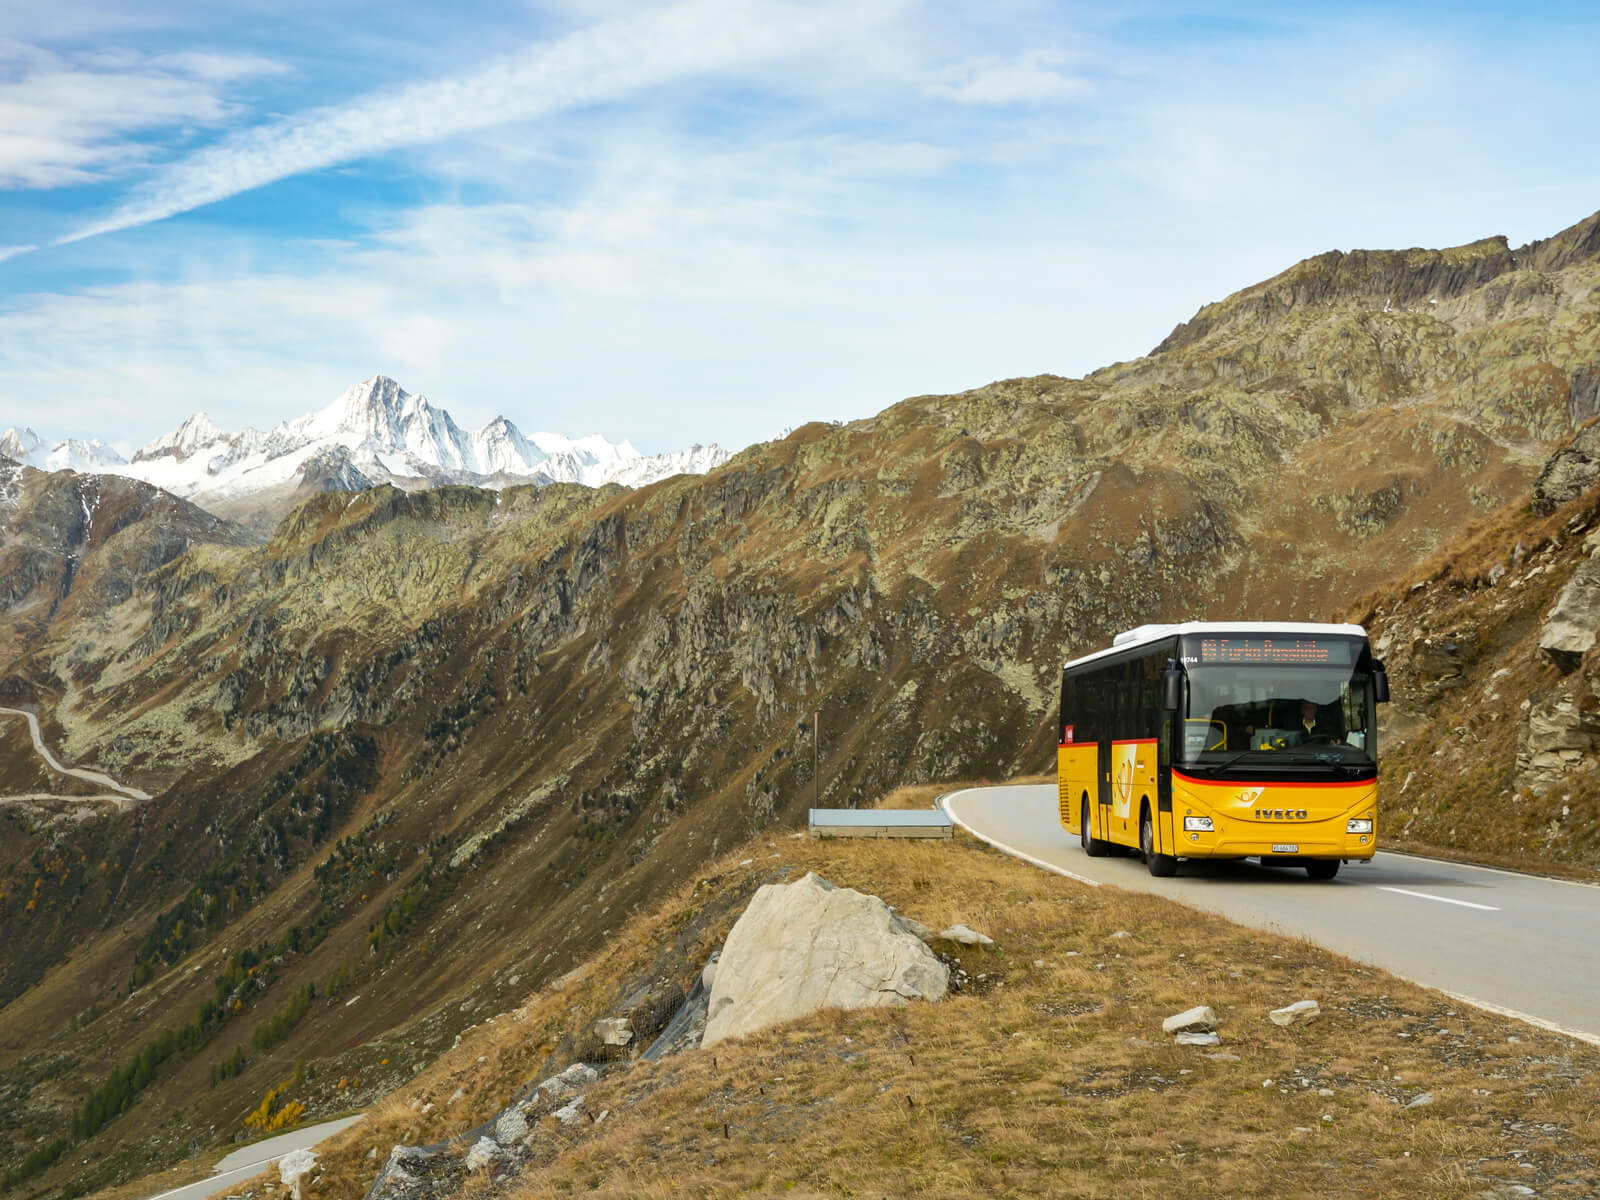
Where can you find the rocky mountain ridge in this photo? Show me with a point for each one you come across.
(413, 745)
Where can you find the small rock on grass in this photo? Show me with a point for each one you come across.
(482, 1154)
(1420, 1101)
(1200, 1019)
(1300, 1012)
(966, 936)
(1186, 1038)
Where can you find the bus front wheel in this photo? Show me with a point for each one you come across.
(1322, 868)
(1161, 865)
(1092, 846)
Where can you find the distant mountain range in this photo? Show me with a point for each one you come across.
(376, 432)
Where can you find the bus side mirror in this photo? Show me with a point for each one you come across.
(1380, 683)
(1172, 689)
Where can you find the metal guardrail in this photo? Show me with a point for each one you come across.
(876, 822)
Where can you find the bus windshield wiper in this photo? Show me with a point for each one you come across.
(1281, 759)
(1224, 764)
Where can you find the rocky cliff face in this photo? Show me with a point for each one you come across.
(1493, 743)
(415, 745)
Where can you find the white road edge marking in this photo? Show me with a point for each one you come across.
(944, 803)
(1440, 899)
(1472, 866)
(1527, 1018)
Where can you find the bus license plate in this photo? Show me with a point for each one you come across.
(1285, 848)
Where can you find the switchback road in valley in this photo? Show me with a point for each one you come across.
(1517, 944)
(125, 798)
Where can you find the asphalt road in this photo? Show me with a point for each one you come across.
(1517, 944)
(129, 795)
(253, 1159)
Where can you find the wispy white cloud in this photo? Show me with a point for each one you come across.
(606, 62)
(689, 289)
(1036, 77)
(12, 251)
(75, 120)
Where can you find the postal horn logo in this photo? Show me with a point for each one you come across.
(1248, 796)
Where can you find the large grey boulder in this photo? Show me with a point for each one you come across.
(809, 945)
(1569, 631)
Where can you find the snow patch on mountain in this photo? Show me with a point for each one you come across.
(375, 432)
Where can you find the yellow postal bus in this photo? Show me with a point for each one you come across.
(1207, 740)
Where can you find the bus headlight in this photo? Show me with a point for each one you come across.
(1202, 823)
(1358, 825)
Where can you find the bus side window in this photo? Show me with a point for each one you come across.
(1158, 722)
(1094, 705)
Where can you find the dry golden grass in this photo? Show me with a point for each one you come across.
(926, 795)
(1046, 1075)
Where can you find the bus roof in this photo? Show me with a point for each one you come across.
(1144, 635)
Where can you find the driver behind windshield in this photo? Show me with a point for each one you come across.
(1314, 725)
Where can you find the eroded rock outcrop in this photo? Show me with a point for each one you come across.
(1558, 733)
(1575, 468)
(1569, 630)
(808, 945)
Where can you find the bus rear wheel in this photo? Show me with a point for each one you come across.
(1161, 865)
(1323, 868)
(1092, 846)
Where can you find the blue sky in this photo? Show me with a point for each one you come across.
(713, 220)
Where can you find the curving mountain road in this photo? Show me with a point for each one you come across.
(126, 798)
(1521, 945)
(254, 1159)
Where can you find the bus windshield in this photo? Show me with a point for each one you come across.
(1260, 714)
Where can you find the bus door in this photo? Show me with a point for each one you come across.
(1107, 728)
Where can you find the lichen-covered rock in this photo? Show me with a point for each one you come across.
(484, 1151)
(1558, 733)
(511, 1126)
(613, 1031)
(1575, 468)
(1569, 631)
(808, 945)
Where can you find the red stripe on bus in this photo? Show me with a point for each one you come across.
(1272, 783)
(1135, 742)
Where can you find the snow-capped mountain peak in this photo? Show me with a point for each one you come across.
(194, 434)
(20, 444)
(91, 456)
(374, 432)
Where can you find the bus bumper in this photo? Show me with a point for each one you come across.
(1283, 840)
(1275, 822)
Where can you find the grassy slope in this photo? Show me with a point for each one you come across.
(1046, 1074)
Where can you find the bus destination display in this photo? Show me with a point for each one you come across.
(1284, 649)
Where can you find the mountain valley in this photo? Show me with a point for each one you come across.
(416, 750)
